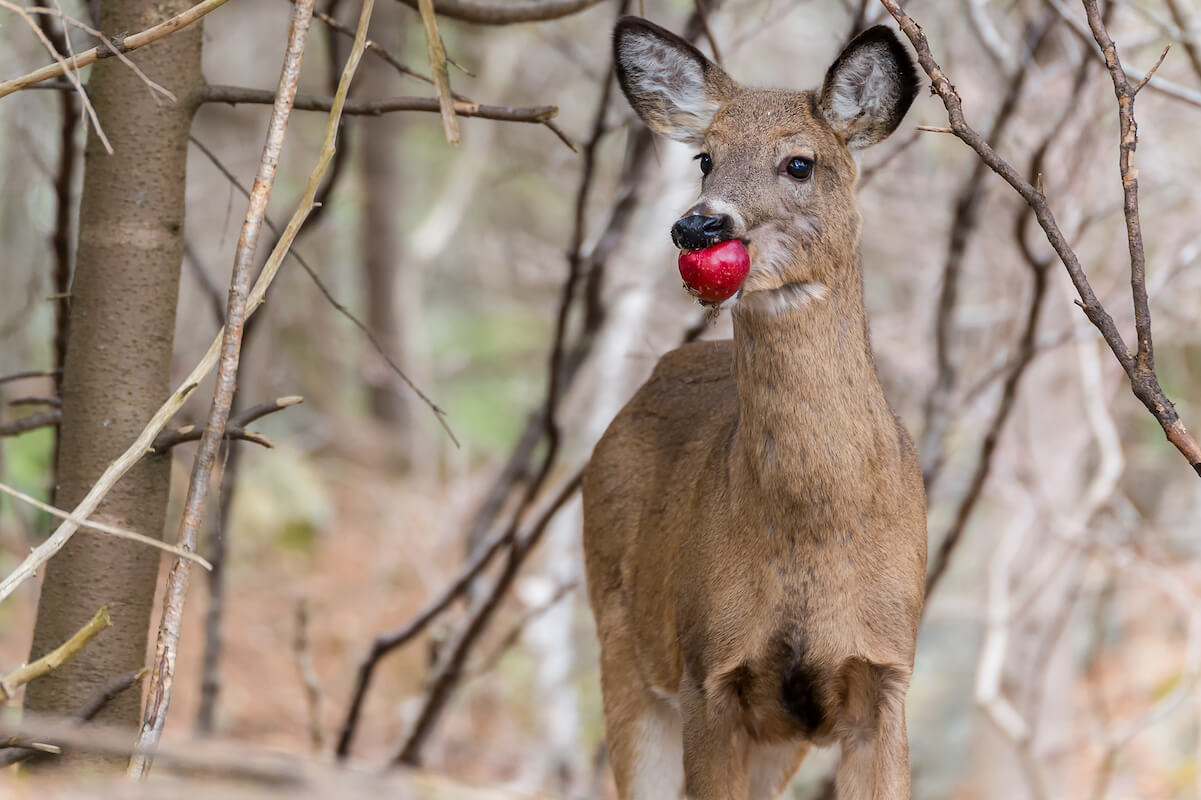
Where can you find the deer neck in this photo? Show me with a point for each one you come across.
(810, 403)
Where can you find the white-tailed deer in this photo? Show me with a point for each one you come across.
(754, 519)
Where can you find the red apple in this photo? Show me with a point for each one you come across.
(717, 272)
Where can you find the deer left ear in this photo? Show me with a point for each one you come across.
(869, 87)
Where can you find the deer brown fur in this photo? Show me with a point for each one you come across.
(754, 518)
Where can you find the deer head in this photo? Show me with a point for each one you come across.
(778, 166)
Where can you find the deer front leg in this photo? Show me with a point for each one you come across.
(875, 747)
(715, 747)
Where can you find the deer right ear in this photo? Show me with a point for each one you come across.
(869, 87)
(673, 87)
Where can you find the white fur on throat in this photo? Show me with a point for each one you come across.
(788, 297)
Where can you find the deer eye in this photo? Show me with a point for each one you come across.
(706, 163)
(799, 167)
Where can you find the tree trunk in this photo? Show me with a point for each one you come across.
(118, 361)
(383, 249)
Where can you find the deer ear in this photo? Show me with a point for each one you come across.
(673, 87)
(869, 87)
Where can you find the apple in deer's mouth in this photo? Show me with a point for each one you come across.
(715, 273)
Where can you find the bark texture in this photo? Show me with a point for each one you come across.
(118, 360)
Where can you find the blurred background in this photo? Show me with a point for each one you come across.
(1060, 651)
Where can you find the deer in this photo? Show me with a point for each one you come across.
(754, 517)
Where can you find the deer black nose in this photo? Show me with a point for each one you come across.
(697, 231)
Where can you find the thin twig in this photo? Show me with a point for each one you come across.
(234, 429)
(386, 56)
(1187, 36)
(1164, 87)
(507, 13)
(454, 654)
(36, 401)
(156, 89)
(968, 201)
(124, 44)
(42, 419)
(488, 662)
(236, 94)
(436, 52)
(703, 15)
(1151, 72)
(111, 688)
(31, 373)
(219, 540)
(1143, 380)
(163, 674)
(111, 530)
(64, 182)
(333, 301)
(63, 68)
(308, 674)
(388, 642)
(56, 657)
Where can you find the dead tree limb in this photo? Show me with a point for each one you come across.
(102, 527)
(1187, 36)
(163, 674)
(234, 429)
(234, 95)
(114, 46)
(964, 222)
(388, 58)
(1139, 367)
(64, 182)
(32, 373)
(506, 13)
(436, 51)
(42, 419)
(110, 689)
(55, 658)
(453, 656)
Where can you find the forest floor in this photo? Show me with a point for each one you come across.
(364, 548)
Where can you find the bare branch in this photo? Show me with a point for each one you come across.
(1144, 383)
(703, 17)
(42, 419)
(110, 689)
(123, 44)
(31, 373)
(1160, 85)
(36, 401)
(56, 657)
(936, 416)
(1188, 38)
(508, 13)
(437, 55)
(111, 530)
(63, 68)
(1151, 72)
(387, 642)
(236, 94)
(235, 429)
(308, 674)
(454, 654)
(439, 414)
(163, 675)
(514, 633)
(387, 57)
(63, 205)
